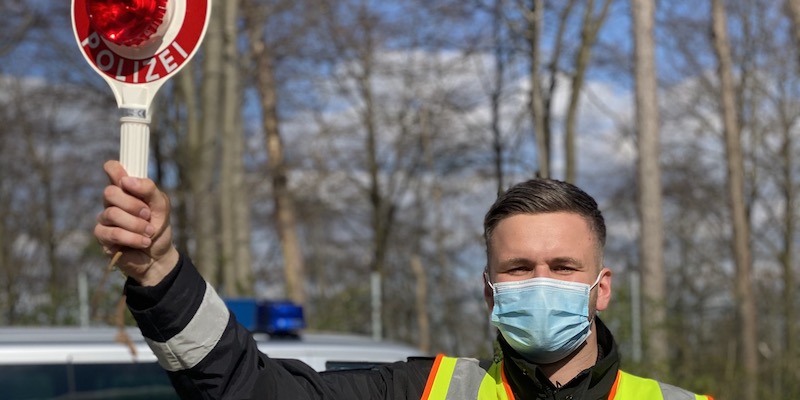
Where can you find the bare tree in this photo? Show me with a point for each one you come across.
(793, 8)
(10, 270)
(421, 303)
(651, 243)
(186, 98)
(293, 261)
(589, 31)
(362, 43)
(43, 210)
(497, 90)
(741, 232)
(534, 19)
(540, 96)
(421, 274)
(786, 177)
(203, 144)
(787, 257)
(234, 198)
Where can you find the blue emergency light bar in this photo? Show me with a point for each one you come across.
(276, 318)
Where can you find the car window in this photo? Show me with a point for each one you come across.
(85, 381)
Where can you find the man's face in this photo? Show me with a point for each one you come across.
(551, 245)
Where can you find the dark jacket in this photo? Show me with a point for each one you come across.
(208, 355)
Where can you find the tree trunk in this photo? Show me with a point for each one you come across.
(591, 25)
(381, 210)
(378, 204)
(741, 234)
(787, 259)
(554, 71)
(234, 199)
(294, 265)
(536, 101)
(649, 177)
(188, 93)
(46, 231)
(497, 94)
(421, 301)
(203, 155)
(8, 272)
(421, 274)
(50, 240)
(793, 8)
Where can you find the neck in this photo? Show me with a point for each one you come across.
(563, 371)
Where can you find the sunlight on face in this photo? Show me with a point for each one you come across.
(550, 245)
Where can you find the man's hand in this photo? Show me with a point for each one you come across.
(135, 226)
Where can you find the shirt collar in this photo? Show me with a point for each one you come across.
(529, 382)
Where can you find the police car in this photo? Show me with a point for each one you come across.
(89, 363)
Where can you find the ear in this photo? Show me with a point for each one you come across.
(604, 289)
(488, 294)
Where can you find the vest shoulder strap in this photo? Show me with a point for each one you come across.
(632, 387)
(453, 378)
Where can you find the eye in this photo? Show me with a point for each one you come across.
(562, 268)
(520, 269)
(517, 269)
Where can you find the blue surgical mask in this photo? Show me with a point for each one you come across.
(543, 319)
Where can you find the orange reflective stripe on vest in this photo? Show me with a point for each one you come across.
(437, 388)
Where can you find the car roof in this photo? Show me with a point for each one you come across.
(55, 345)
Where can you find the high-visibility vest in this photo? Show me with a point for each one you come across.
(454, 378)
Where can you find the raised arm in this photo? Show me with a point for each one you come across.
(206, 353)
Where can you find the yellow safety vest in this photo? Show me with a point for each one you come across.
(454, 378)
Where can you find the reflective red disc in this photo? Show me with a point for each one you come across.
(126, 22)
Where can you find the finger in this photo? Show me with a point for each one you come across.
(116, 218)
(114, 196)
(110, 236)
(115, 171)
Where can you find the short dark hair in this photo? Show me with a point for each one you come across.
(539, 196)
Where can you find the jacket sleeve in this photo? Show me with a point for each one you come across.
(294, 380)
(208, 355)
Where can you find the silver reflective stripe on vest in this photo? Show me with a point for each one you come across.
(197, 339)
(670, 392)
(466, 380)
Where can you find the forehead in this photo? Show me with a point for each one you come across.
(538, 237)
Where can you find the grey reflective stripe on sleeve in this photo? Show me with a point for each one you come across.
(466, 380)
(670, 392)
(197, 339)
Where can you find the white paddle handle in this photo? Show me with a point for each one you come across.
(134, 149)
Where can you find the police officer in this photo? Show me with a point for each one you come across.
(544, 284)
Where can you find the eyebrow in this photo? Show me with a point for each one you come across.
(566, 260)
(516, 260)
(556, 260)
